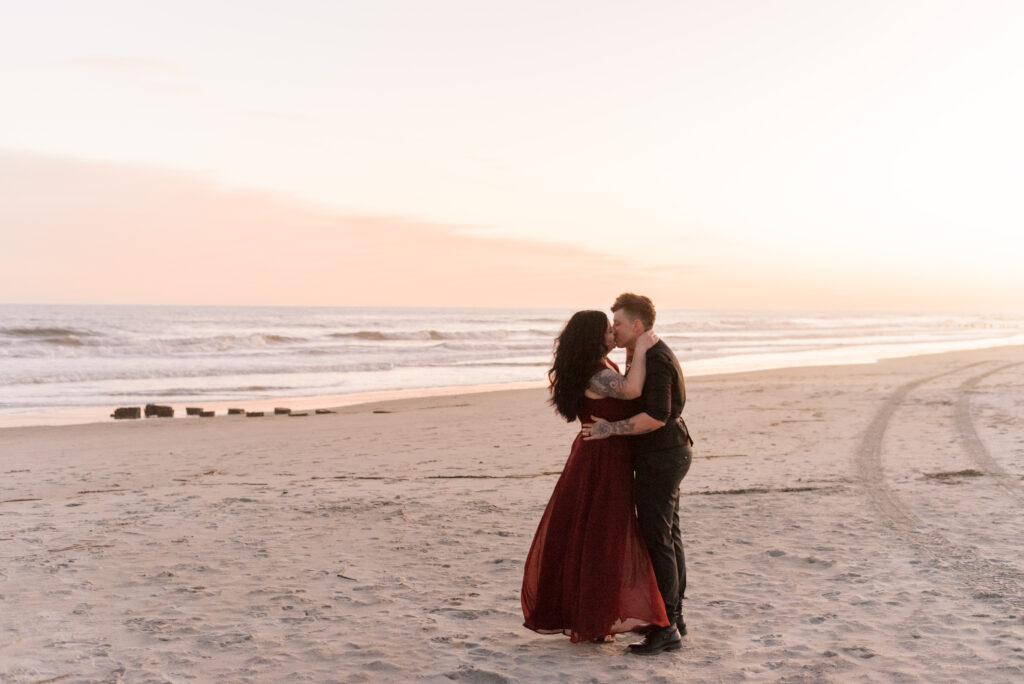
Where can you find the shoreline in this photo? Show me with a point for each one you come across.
(93, 414)
(730, 365)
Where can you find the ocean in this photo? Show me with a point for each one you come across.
(75, 363)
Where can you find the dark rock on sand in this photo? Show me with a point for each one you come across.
(126, 412)
(159, 411)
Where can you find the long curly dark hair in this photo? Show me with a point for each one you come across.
(578, 352)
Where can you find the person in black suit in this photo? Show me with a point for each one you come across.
(661, 447)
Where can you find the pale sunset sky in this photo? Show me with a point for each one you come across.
(824, 154)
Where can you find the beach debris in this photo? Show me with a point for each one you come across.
(53, 679)
(193, 411)
(282, 411)
(126, 413)
(381, 411)
(254, 414)
(207, 414)
(767, 490)
(320, 412)
(953, 477)
(159, 411)
(298, 415)
(236, 412)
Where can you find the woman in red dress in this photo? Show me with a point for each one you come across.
(588, 573)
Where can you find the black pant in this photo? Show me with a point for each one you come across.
(656, 490)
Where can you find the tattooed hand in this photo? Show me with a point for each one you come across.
(637, 425)
(599, 429)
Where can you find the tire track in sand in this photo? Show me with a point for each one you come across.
(985, 579)
(972, 441)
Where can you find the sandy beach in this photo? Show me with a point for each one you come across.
(845, 523)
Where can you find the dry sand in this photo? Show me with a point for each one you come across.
(853, 523)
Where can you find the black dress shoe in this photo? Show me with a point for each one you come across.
(658, 640)
(647, 629)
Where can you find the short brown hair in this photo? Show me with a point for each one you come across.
(637, 306)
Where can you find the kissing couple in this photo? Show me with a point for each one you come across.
(607, 557)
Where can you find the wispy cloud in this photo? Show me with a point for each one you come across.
(122, 233)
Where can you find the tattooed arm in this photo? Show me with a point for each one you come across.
(637, 425)
(608, 383)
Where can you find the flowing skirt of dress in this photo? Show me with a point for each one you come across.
(588, 572)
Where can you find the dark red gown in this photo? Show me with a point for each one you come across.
(588, 572)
